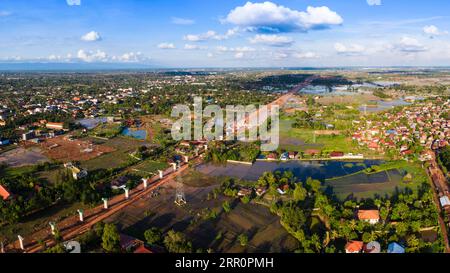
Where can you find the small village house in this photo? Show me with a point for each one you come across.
(4, 193)
(354, 247)
(370, 216)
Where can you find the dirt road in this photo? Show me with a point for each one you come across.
(439, 182)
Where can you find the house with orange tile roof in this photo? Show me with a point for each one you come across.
(142, 250)
(4, 193)
(370, 216)
(354, 247)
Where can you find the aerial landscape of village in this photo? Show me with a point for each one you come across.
(89, 162)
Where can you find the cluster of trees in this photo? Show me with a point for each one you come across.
(323, 223)
(332, 81)
(32, 194)
(416, 89)
(381, 94)
(174, 242)
(274, 180)
(306, 120)
(105, 237)
(247, 152)
(221, 152)
(444, 158)
(9, 131)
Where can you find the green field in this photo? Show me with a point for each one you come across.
(124, 146)
(149, 168)
(383, 180)
(107, 130)
(300, 140)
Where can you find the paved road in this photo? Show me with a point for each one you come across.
(279, 102)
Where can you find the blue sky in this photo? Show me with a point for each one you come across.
(227, 33)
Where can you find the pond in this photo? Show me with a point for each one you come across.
(91, 123)
(320, 170)
(323, 90)
(137, 134)
(384, 105)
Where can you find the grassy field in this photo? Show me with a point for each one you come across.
(149, 168)
(385, 180)
(123, 147)
(294, 139)
(107, 130)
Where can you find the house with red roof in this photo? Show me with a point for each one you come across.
(142, 250)
(312, 152)
(4, 193)
(370, 216)
(336, 154)
(354, 247)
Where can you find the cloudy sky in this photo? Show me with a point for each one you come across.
(227, 33)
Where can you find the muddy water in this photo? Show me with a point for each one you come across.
(302, 169)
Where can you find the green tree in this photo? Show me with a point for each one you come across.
(59, 249)
(111, 238)
(313, 185)
(300, 192)
(413, 243)
(246, 199)
(176, 242)
(243, 239)
(226, 206)
(153, 236)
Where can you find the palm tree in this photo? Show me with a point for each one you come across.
(353, 224)
(377, 203)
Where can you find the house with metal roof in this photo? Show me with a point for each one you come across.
(445, 201)
(395, 248)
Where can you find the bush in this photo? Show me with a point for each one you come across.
(243, 239)
(153, 236)
(226, 206)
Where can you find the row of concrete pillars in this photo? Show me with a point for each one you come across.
(105, 202)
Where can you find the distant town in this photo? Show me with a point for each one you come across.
(362, 164)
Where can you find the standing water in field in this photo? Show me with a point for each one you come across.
(137, 134)
(316, 169)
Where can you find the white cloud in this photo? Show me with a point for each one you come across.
(130, 57)
(353, 49)
(194, 47)
(280, 55)
(268, 16)
(235, 49)
(272, 40)
(73, 2)
(92, 56)
(239, 55)
(374, 2)
(182, 21)
(410, 45)
(54, 57)
(166, 46)
(91, 37)
(433, 31)
(210, 35)
(306, 55)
